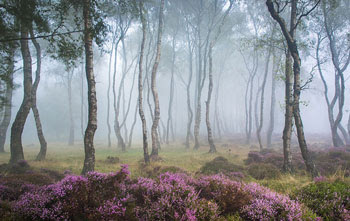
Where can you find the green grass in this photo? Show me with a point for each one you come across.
(61, 157)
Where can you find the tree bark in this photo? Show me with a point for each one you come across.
(43, 145)
(89, 161)
(292, 46)
(275, 65)
(212, 148)
(16, 146)
(154, 133)
(171, 98)
(108, 96)
(70, 106)
(140, 101)
(262, 98)
(8, 102)
(188, 92)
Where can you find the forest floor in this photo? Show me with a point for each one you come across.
(174, 157)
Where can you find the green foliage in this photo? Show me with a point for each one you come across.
(331, 200)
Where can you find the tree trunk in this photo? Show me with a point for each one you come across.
(140, 101)
(262, 98)
(133, 125)
(89, 162)
(212, 148)
(188, 92)
(337, 141)
(171, 98)
(108, 96)
(43, 145)
(292, 46)
(340, 89)
(70, 106)
(121, 143)
(154, 133)
(275, 65)
(8, 102)
(82, 100)
(16, 146)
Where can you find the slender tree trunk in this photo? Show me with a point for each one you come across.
(121, 143)
(292, 46)
(89, 162)
(212, 148)
(70, 106)
(340, 85)
(154, 134)
(171, 98)
(8, 102)
(262, 98)
(188, 91)
(108, 96)
(140, 101)
(82, 101)
(288, 117)
(330, 104)
(16, 146)
(275, 65)
(133, 125)
(43, 145)
(197, 120)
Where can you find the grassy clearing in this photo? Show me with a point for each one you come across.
(61, 157)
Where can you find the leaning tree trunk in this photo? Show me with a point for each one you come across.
(16, 146)
(89, 162)
(154, 133)
(293, 49)
(43, 145)
(8, 101)
(140, 101)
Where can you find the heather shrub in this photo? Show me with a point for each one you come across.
(228, 194)
(220, 165)
(269, 156)
(76, 197)
(329, 200)
(261, 171)
(330, 161)
(154, 172)
(268, 205)
(171, 198)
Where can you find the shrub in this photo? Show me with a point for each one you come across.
(75, 197)
(228, 194)
(329, 200)
(171, 198)
(261, 171)
(220, 165)
(268, 205)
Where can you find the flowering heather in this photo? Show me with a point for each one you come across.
(268, 205)
(172, 196)
(329, 200)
